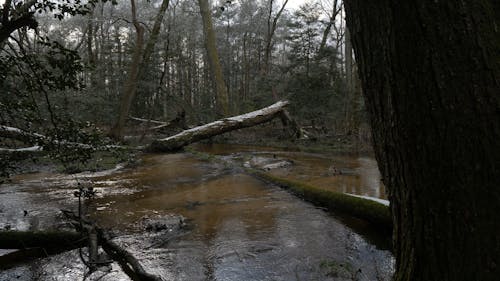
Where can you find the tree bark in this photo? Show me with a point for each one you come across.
(430, 75)
(328, 28)
(349, 81)
(8, 28)
(139, 62)
(186, 137)
(130, 86)
(153, 37)
(213, 59)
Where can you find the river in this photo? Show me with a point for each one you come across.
(237, 227)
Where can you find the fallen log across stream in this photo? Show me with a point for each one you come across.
(178, 141)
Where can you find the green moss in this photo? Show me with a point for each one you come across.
(42, 239)
(365, 209)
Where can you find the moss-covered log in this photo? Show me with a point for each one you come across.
(369, 210)
(218, 127)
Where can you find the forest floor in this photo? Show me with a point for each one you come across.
(320, 142)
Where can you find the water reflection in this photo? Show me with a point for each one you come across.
(356, 175)
(207, 204)
(241, 227)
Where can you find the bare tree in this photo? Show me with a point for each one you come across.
(130, 86)
(272, 23)
(213, 59)
(140, 57)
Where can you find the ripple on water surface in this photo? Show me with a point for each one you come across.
(240, 228)
(244, 229)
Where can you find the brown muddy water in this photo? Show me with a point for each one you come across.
(238, 227)
(342, 173)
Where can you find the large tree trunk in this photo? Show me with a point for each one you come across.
(153, 36)
(139, 62)
(349, 81)
(430, 75)
(218, 127)
(213, 59)
(130, 86)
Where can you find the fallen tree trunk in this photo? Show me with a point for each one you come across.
(39, 139)
(218, 127)
(30, 149)
(20, 153)
(21, 135)
(43, 239)
(130, 265)
(31, 245)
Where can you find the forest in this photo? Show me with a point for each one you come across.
(249, 140)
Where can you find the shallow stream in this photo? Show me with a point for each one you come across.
(238, 227)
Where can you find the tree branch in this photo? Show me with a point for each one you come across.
(11, 26)
(6, 10)
(29, 137)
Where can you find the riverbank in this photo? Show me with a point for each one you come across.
(271, 135)
(44, 163)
